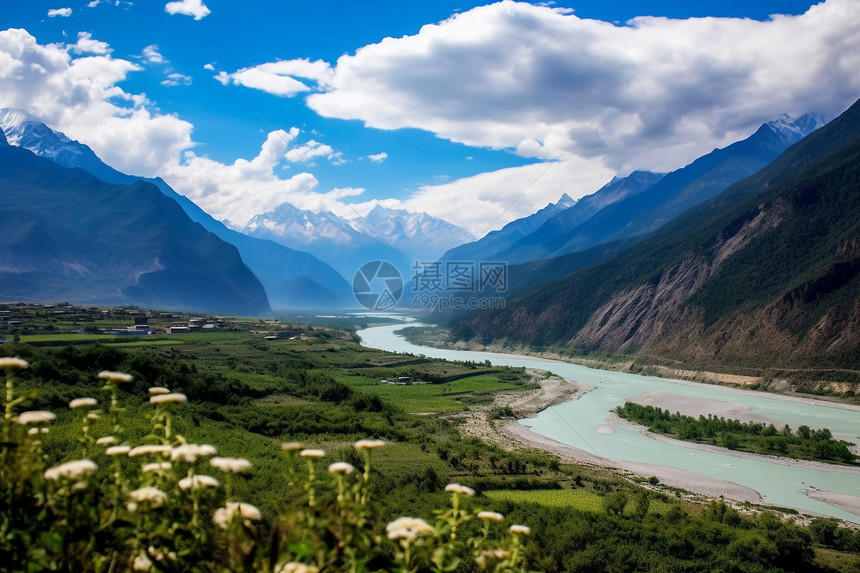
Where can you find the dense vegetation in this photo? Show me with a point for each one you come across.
(247, 396)
(804, 444)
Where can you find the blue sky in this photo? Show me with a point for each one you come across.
(474, 112)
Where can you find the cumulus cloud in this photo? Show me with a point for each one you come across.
(655, 93)
(151, 55)
(242, 189)
(61, 12)
(488, 201)
(176, 79)
(310, 150)
(86, 45)
(280, 78)
(602, 99)
(378, 157)
(80, 97)
(195, 8)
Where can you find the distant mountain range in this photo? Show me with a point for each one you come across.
(69, 236)
(653, 200)
(392, 235)
(766, 273)
(490, 245)
(623, 212)
(293, 258)
(292, 279)
(285, 248)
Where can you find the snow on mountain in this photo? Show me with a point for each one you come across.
(394, 235)
(793, 129)
(419, 235)
(24, 131)
(301, 227)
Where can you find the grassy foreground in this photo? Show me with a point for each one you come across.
(288, 489)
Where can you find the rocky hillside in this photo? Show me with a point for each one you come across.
(765, 274)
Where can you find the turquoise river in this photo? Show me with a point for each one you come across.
(586, 424)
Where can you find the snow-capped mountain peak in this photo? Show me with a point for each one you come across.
(565, 201)
(794, 129)
(23, 130)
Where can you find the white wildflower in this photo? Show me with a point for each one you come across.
(461, 489)
(83, 403)
(368, 444)
(92, 415)
(235, 465)
(172, 398)
(118, 450)
(156, 467)
(115, 376)
(13, 363)
(198, 482)
(152, 495)
(190, 452)
(106, 441)
(158, 390)
(150, 449)
(312, 453)
(75, 469)
(142, 563)
(341, 468)
(497, 553)
(520, 529)
(294, 567)
(35, 417)
(491, 516)
(408, 528)
(225, 515)
(291, 446)
(33, 432)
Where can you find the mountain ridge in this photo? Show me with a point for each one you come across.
(643, 212)
(766, 273)
(285, 273)
(90, 241)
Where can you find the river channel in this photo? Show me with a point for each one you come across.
(587, 424)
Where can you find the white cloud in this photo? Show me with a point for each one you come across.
(176, 79)
(305, 153)
(94, 3)
(86, 45)
(279, 78)
(598, 98)
(488, 201)
(654, 94)
(378, 157)
(194, 8)
(602, 99)
(151, 55)
(61, 12)
(80, 97)
(238, 191)
(209, 67)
